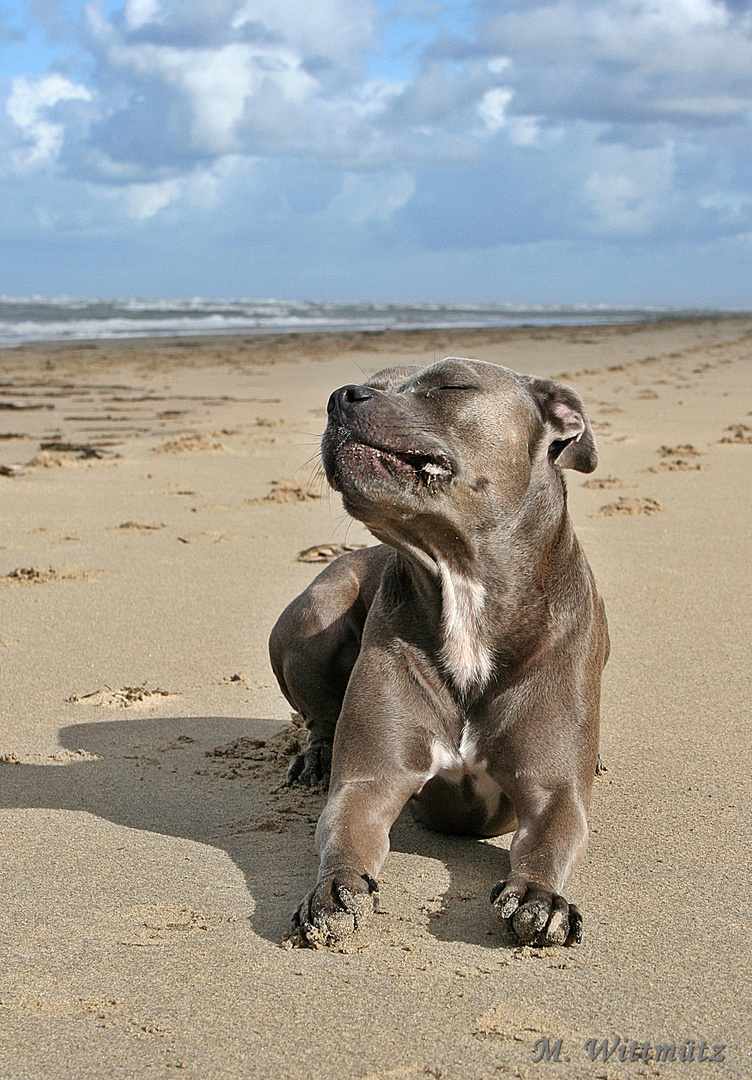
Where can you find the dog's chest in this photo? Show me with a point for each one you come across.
(458, 764)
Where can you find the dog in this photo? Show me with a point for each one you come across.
(457, 665)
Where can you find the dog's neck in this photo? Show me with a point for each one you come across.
(492, 595)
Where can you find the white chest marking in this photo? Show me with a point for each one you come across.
(455, 765)
(464, 654)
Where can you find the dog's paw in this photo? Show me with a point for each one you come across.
(534, 915)
(334, 909)
(312, 767)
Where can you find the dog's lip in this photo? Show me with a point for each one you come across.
(432, 464)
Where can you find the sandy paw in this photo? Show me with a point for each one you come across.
(334, 909)
(534, 915)
(311, 767)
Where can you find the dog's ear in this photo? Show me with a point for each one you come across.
(572, 443)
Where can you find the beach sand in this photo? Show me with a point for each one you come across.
(150, 860)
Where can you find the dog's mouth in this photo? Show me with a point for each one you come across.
(427, 469)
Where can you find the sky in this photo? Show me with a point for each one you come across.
(553, 151)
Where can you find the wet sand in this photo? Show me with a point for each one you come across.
(156, 496)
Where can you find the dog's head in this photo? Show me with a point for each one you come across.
(456, 446)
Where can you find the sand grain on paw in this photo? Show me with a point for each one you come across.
(630, 507)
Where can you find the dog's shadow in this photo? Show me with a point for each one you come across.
(164, 776)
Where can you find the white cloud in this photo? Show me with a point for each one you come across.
(143, 201)
(368, 197)
(139, 13)
(26, 107)
(218, 83)
(492, 108)
(564, 118)
(337, 29)
(728, 203)
(626, 189)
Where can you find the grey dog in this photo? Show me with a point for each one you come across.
(457, 665)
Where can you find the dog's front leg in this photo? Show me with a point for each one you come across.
(381, 757)
(353, 839)
(550, 840)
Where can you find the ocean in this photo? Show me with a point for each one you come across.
(26, 319)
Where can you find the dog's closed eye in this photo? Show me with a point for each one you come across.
(450, 386)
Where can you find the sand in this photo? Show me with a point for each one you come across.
(157, 497)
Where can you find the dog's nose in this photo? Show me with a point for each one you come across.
(348, 395)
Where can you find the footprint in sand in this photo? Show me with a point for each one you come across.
(740, 433)
(125, 698)
(605, 483)
(141, 526)
(206, 538)
(504, 1021)
(681, 458)
(188, 444)
(161, 924)
(287, 490)
(41, 575)
(628, 507)
(326, 553)
(59, 455)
